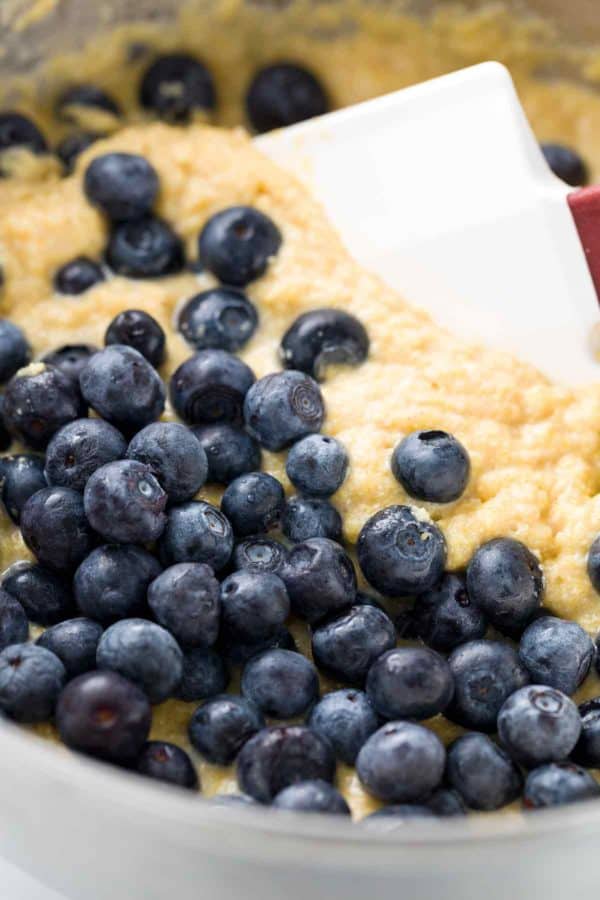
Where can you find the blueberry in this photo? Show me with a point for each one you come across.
(346, 646)
(505, 580)
(230, 451)
(346, 719)
(401, 762)
(431, 465)
(88, 96)
(410, 683)
(123, 185)
(5, 435)
(283, 94)
(557, 784)
(73, 145)
(321, 338)
(174, 456)
(136, 328)
(38, 401)
(319, 577)
(445, 802)
(55, 528)
(237, 244)
(311, 517)
(144, 653)
(259, 554)
(76, 450)
(71, 359)
(17, 130)
(146, 248)
(482, 773)
(313, 797)
(587, 749)
(566, 163)
(283, 407)
(538, 724)
(15, 351)
(123, 388)
(557, 653)
(221, 318)
(185, 599)
(254, 605)
(125, 503)
(23, 475)
(401, 552)
(220, 728)
(78, 276)
(197, 532)
(167, 763)
(31, 678)
(485, 674)
(111, 582)
(280, 756)
(175, 86)
(234, 800)
(44, 595)
(238, 652)
(253, 503)
(205, 674)
(104, 715)
(317, 465)
(396, 817)
(14, 627)
(75, 642)
(444, 616)
(283, 684)
(210, 387)
(593, 564)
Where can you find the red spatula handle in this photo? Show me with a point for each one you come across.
(585, 207)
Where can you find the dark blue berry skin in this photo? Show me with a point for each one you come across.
(78, 276)
(174, 456)
(15, 351)
(282, 408)
(220, 728)
(483, 773)
(485, 674)
(233, 800)
(319, 577)
(324, 337)
(125, 503)
(197, 532)
(205, 674)
(79, 448)
(312, 797)
(401, 762)
(75, 642)
(431, 465)
(123, 185)
(167, 763)
(221, 318)
(146, 248)
(175, 86)
(45, 596)
(280, 756)
(410, 683)
(238, 652)
(237, 244)
(144, 653)
(557, 653)
(347, 645)
(230, 451)
(84, 95)
(38, 403)
(210, 387)
(317, 465)
(444, 616)
(253, 503)
(136, 328)
(259, 554)
(399, 553)
(123, 388)
(311, 517)
(346, 719)
(23, 475)
(185, 599)
(55, 528)
(17, 130)
(70, 359)
(567, 164)
(283, 94)
(538, 724)
(283, 684)
(505, 580)
(587, 749)
(446, 803)
(31, 678)
(104, 715)
(72, 146)
(593, 564)
(558, 784)
(396, 817)
(111, 582)
(254, 605)
(5, 435)
(14, 627)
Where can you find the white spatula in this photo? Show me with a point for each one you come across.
(443, 191)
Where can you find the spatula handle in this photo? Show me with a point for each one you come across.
(585, 207)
